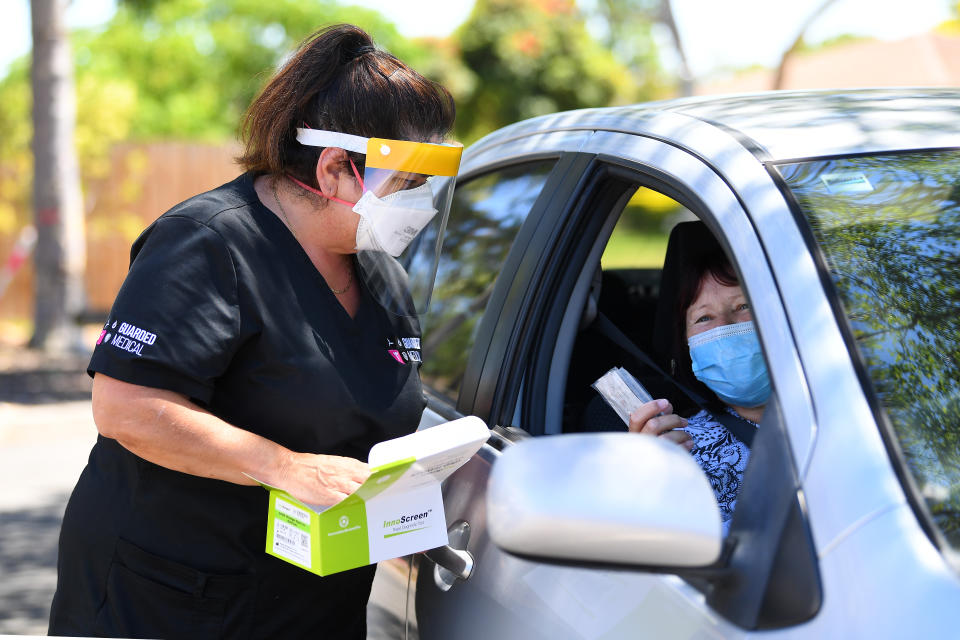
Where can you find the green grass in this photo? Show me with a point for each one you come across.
(632, 248)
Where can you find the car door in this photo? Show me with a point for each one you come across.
(516, 375)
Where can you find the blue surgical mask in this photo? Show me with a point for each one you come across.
(728, 359)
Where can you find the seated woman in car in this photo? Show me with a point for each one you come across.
(707, 338)
(715, 343)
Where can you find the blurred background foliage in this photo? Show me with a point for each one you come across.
(530, 57)
(186, 69)
(183, 71)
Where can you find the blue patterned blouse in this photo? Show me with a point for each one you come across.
(722, 457)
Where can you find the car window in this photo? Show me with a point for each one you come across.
(485, 216)
(632, 261)
(626, 294)
(639, 240)
(655, 246)
(889, 229)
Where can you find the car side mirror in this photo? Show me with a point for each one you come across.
(617, 498)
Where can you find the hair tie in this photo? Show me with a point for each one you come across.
(362, 50)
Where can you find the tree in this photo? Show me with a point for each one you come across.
(628, 27)
(532, 57)
(173, 69)
(686, 75)
(181, 69)
(57, 202)
(195, 65)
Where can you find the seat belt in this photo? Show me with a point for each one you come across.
(743, 430)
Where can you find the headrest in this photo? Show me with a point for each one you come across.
(687, 239)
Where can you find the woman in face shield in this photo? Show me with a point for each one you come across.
(258, 334)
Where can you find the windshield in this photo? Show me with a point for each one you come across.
(889, 229)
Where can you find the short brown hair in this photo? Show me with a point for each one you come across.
(338, 80)
(709, 262)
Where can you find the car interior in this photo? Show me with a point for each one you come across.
(639, 303)
(778, 568)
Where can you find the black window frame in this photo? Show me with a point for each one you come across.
(485, 380)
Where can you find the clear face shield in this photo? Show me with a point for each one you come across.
(407, 189)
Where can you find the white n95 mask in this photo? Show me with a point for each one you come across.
(391, 223)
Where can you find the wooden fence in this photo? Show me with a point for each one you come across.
(144, 181)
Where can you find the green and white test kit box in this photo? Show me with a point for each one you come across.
(396, 512)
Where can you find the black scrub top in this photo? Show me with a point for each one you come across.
(222, 304)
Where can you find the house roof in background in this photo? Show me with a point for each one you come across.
(927, 60)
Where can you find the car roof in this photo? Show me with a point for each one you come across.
(783, 125)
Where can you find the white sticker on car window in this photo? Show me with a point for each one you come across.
(846, 182)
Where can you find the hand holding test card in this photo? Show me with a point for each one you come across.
(622, 391)
(625, 395)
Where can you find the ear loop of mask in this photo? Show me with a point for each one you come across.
(334, 198)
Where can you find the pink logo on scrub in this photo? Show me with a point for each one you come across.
(396, 355)
(102, 333)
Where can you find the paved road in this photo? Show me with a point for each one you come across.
(43, 448)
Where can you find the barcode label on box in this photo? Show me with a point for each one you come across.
(290, 540)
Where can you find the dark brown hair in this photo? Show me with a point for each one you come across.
(338, 80)
(713, 262)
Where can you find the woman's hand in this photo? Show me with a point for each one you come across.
(320, 479)
(646, 420)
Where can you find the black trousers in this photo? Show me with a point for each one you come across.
(111, 586)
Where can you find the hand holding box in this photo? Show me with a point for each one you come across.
(397, 511)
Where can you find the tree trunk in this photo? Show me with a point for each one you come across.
(59, 257)
(779, 76)
(686, 76)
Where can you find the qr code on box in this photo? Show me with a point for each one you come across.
(291, 542)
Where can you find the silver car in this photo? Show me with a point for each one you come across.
(841, 215)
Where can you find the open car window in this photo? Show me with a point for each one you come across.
(625, 291)
(631, 321)
(563, 352)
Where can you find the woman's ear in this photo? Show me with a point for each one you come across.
(337, 176)
(330, 170)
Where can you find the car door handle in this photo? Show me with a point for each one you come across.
(452, 562)
(456, 561)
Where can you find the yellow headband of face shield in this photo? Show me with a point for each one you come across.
(397, 155)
